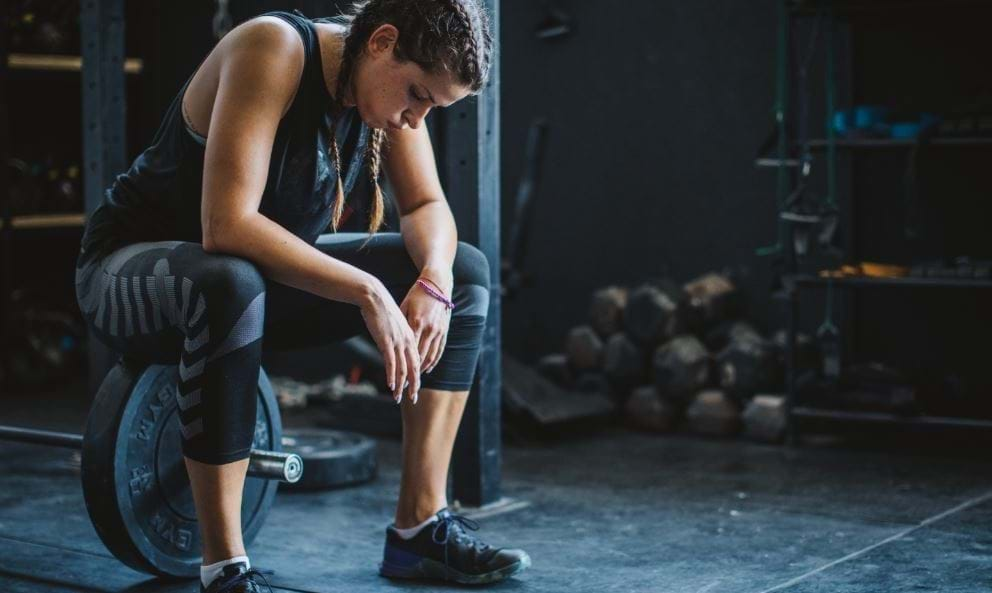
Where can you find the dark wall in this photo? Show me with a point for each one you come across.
(655, 109)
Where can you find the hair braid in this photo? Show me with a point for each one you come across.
(374, 155)
(472, 45)
(338, 208)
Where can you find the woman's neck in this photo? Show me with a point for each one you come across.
(330, 38)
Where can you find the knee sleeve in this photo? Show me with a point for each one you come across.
(471, 266)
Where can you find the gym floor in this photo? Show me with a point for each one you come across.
(611, 511)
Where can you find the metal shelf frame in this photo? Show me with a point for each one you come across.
(793, 288)
(905, 282)
(102, 67)
(62, 63)
(877, 143)
(44, 221)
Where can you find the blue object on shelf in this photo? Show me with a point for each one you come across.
(869, 116)
(905, 130)
(929, 120)
(842, 122)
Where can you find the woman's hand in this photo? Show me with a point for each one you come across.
(396, 341)
(429, 319)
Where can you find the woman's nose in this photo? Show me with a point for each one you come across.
(416, 116)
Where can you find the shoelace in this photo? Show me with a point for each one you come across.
(228, 585)
(449, 522)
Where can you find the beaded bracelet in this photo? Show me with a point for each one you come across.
(430, 290)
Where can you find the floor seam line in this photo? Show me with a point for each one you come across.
(924, 523)
(56, 547)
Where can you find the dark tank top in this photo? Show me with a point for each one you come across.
(159, 197)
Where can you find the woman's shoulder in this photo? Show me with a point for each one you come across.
(266, 34)
(263, 54)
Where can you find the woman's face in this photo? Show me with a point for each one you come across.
(394, 94)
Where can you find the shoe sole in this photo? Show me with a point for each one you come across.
(432, 569)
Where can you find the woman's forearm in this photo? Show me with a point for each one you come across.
(287, 259)
(431, 238)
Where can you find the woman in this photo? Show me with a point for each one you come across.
(210, 246)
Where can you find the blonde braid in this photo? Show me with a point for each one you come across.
(374, 155)
(338, 208)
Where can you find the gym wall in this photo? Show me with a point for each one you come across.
(649, 169)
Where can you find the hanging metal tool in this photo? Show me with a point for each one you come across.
(829, 211)
(512, 268)
(828, 336)
(781, 104)
(807, 217)
(555, 23)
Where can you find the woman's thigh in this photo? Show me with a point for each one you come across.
(144, 299)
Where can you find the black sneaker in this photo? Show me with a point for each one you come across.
(236, 578)
(443, 550)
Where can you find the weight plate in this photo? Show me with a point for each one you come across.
(331, 458)
(134, 479)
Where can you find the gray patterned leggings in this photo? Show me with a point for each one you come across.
(171, 302)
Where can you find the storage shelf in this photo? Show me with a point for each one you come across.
(44, 221)
(62, 63)
(821, 144)
(850, 8)
(775, 163)
(881, 417)
(906, 282)
(860, 17)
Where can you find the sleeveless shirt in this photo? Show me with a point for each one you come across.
(159, 197)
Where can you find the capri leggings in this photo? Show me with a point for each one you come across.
(171, 302)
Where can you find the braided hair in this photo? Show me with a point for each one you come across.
(439, 36)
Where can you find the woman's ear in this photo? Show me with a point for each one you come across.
(383, 40)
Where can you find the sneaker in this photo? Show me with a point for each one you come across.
(236, 578)
(443, 550)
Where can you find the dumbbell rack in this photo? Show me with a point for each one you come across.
(101, 68)
(786, 165)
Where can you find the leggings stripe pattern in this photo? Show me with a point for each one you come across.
(172, 302)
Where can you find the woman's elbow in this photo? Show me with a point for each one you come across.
(219, 233)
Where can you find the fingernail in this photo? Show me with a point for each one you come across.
(415, 398)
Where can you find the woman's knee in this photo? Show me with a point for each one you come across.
(471, 266)
(229, 279)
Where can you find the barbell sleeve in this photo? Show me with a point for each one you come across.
(41, 437)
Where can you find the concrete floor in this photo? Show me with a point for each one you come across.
(609, 511)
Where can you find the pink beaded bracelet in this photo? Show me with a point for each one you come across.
(430, 290)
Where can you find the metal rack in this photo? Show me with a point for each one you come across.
(792, 154)
(102, 67)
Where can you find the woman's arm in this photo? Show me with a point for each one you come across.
(259, 75)
(426, 223)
